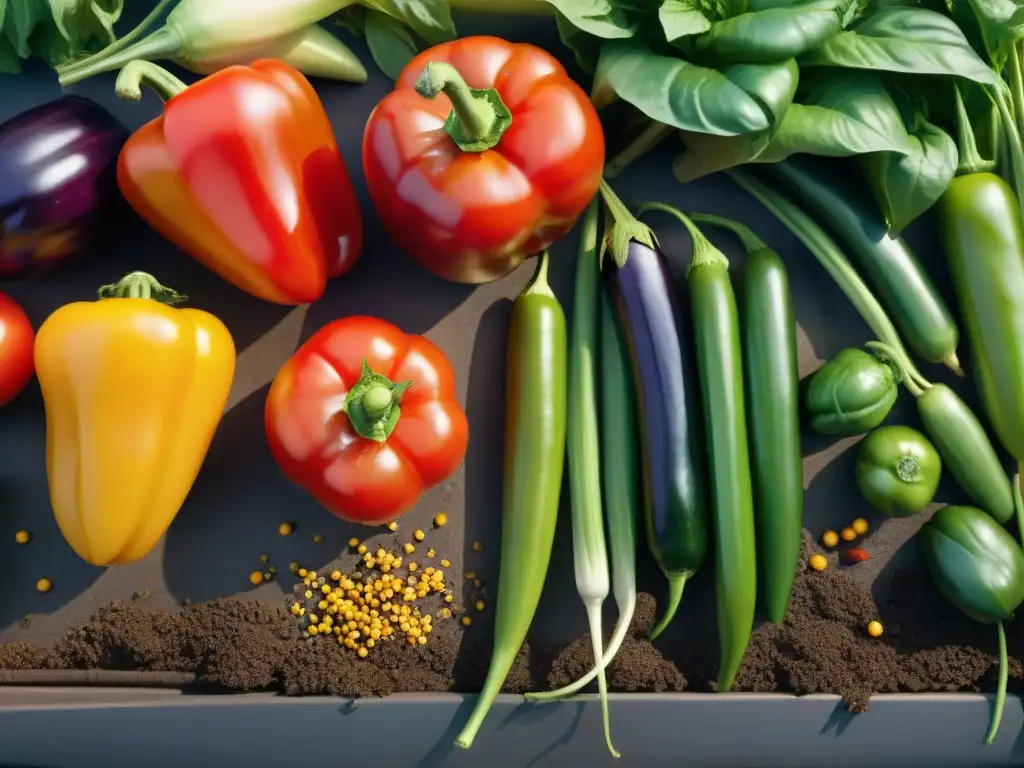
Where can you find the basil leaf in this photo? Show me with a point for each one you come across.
(737, 100)
(775, 33)
(842, 116)
(706, 154)
(906, 184)
(390, 44)
(607, 19)
(430, 19)
(911, 40)
(352, 20)
(585, 47)
(682, 18)
(1001, 23)
(20, 22)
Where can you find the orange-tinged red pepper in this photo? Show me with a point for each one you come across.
(242, 171)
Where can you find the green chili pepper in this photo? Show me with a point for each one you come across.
(206, 35)
(773, 381)
(535, 430)
(716, 328)
(979, 568)
(898, 470)
(851, 394)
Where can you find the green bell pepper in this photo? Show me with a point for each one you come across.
(898, 470)
(979, 568)
(851, 394)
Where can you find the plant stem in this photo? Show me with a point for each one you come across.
(1018, 504)
(970, 160)
(648, 139)
(916, 386)
(1016, 88)
(141, 285)
(676, 584)
(120, 44)
(997, 710)
(1013, 142)
(751, 242)
(130, 80)
(704, 252)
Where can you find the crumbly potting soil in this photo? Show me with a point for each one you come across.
(822, 647)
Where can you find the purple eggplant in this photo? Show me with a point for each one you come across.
(58, 182)
(664, 368)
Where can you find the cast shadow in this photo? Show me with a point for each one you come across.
(232, 516)
(25, 505)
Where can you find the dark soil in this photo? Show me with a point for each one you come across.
(821, 648)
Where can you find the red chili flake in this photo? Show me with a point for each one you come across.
(856, 555)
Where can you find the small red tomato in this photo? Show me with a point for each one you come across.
(364, 417)
(16, 341)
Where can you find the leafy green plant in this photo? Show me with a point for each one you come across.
(55, 31)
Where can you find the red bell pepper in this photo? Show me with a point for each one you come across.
(365, 418)
(485, 153)
(242, 172)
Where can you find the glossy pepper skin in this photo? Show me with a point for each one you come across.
(898, 470)
(133, 390)
(58, 185)
(364, 417)
(242, 172)
(851, 394)
(471, 192)
(974, 562)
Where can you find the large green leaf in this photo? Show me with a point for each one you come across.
(1001, 23)
(682, 18)
(20, 22)
(585, 47)
(608, 19)
(906, 184)
(911, 40)
(773, 34)
(430, 19)
(390, 44)
(54, 30)
(737, 100)
(706, 154)
(840, 116)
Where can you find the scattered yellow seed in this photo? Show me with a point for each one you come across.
(314, 619)
(353, 542)
(470, 575)
(312, 630)
(848, 534)
(440, 519)
(23, 537)
(477, 583)
(264, 558)
(392, 526)
(445, 613)
(322, 605)
(409, 549)
(361, 549)
(318, 538)
(308, 594)
(272, 570)
(875, 628)
(362, 653)
(303, 573)
(480, 605)
(312, 575)
(335, 575)
(44, 585)
(419, 535)
(255, 577)
(466, 621)
(293, 567)
(431, 553)
(818, 562)
(860, 526)
(830, 538)
(413, 566)
(446, 562)
(478, 546)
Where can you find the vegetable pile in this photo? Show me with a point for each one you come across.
(676, 401)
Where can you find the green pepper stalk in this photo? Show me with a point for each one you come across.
(205, 35)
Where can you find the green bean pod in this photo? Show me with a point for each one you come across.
(535, 429)
(981, 230)
(773, 399)
(716, 328)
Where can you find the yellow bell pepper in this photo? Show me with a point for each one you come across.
(134, 389)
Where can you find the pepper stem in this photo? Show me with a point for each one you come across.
(372, 405)
(141, 285)
(751, 242)
(479, 118)
(915, 383)
(907, 469)
(997, 709)
(137, 73)
(676, 583)
(704, 252)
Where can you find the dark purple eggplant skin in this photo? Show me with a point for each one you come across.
(671, 419)
(58, 182)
